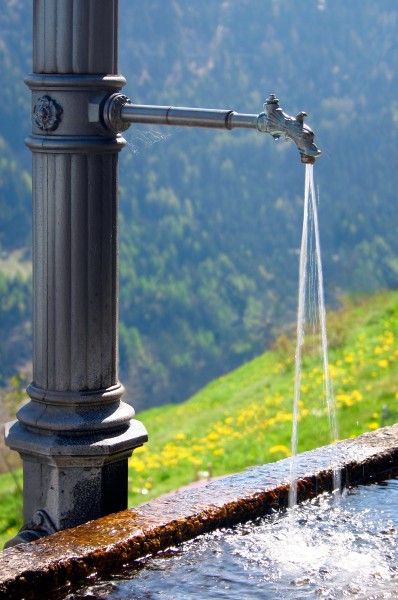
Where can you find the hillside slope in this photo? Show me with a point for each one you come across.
(245, 417)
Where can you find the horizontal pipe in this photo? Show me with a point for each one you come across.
(118, 113)
(187, 117)
(246, 121)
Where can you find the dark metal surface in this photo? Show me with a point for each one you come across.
(75, 434)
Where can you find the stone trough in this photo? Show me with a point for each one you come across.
(107, 544)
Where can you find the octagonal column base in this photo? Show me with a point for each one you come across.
(72, 479)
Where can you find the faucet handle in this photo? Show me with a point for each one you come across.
(301, 116)
(272, 99)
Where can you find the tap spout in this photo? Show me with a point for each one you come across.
(276, 122)
(119, 113)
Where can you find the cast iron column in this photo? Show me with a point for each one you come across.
(75, 435)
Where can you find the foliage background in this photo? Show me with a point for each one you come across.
(210, 221)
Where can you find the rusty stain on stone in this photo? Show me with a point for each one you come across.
(110, 542)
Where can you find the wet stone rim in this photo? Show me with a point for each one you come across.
(110, 542)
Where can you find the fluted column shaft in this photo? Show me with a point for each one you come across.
(75, 434)
(80, 36)
(75, 287)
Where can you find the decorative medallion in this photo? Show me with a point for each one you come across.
(47, 113)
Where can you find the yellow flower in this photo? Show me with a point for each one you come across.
(356, 395)
(283, 417)
(137, 464)
(378, 350)
(218, 452)
(383, 363)
(180, 436)
(344, 399)
(374, 425)
(280, 448)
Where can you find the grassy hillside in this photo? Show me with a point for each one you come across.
(244, 418)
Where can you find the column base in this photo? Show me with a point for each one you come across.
(70, 479)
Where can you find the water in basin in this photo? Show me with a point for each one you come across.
(317, 550)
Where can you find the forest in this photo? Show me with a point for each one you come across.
(210, 222)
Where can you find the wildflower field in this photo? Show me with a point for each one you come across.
(245, 417)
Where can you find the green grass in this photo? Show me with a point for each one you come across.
(245, 417)
(10, 505)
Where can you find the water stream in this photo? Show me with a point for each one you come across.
(320, 549)
(311, 247)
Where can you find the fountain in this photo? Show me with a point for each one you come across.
(75, 435)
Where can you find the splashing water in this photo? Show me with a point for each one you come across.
(328, 551)
(309, 237)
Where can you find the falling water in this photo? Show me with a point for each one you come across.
(310, 212)
(329, 395)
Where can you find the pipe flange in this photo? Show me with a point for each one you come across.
(113, 113)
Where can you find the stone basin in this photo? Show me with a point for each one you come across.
(107, 544)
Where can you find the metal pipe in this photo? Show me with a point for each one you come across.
(243, 121)
(170, 115)
(118, 113)
(187, 117)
